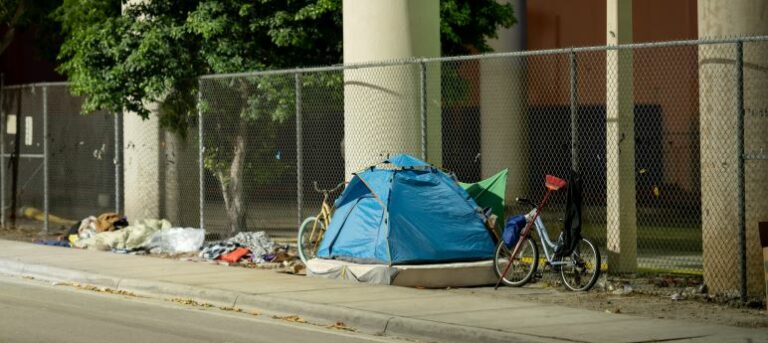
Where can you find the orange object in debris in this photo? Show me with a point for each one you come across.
(235, 255)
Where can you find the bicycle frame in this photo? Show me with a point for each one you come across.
(552, 184)
(309, 239)
(325, 216)
(546, 243)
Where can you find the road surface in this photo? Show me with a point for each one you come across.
(34, 311)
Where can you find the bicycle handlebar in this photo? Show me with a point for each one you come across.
(326, 191)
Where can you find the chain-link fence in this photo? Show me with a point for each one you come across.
(654, 130)
(54, 159)
(669, 138)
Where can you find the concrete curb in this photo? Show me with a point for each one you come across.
(365, 321)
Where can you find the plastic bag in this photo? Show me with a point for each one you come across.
(177, 240)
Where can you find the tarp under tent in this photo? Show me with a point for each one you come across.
(406, 212)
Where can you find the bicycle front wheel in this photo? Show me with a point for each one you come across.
(582, 267)
(523, 267)
(310, 234)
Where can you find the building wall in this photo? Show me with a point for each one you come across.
(666, 77)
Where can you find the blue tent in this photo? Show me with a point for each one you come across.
(407, 213)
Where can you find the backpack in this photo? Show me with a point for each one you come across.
(512, 230)
(571, 234)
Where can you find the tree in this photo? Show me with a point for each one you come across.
(155, 50)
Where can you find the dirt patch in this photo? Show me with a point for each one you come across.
(655, 306)
(27, 232)
(677, 297)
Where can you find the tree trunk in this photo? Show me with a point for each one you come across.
(232, 184)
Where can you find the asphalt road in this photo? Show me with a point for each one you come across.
(34, 311)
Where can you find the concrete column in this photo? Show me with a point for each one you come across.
(503, 111)
(141, 167)
(141, 161)
(382, 106)
(179, 165)
(719, 141)
(621, 211)
(152, 178)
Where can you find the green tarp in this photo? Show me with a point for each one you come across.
(489, 193)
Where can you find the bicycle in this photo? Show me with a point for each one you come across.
(579, 270)
(307, 244)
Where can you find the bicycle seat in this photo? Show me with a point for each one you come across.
(554, 183)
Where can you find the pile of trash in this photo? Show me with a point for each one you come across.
(112, 232)
(250, 248)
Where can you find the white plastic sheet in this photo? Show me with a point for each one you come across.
(177, 240)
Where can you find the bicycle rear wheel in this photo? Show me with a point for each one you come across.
(582, 267)
(310, 234)
(523, 267)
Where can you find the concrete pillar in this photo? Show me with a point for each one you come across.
(141, 161)
(719, 141)
(503, 111)
(151, 172)
(382, 105)
(621, 211)
(141, 167)
(179, 165)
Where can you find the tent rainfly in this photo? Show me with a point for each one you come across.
(407, 212)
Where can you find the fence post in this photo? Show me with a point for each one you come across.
(45, 159)
(574, 113)
(2, 150)
(741, 170)
(200, 152)
(118, 160)
(299, 151)
(423, 108)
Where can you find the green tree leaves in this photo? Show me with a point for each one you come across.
(152, 51)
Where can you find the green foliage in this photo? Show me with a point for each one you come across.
(154, 51)
(465, 25)
(125, 61)
(240, 35)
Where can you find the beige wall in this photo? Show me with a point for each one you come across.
(662, 76)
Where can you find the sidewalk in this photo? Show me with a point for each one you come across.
(431, 315)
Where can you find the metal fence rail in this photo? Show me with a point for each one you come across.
(669, 138)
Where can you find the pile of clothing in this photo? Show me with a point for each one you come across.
(256, 247)
(112, 232)
(90, 226)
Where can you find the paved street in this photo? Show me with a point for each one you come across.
(34, 311)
